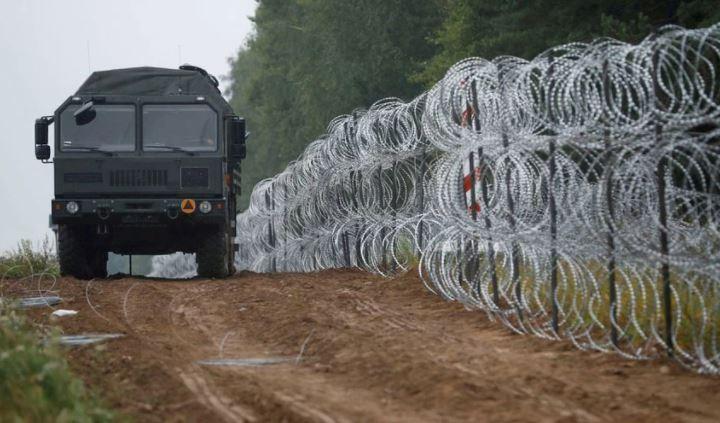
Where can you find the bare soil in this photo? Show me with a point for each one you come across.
(364, 348)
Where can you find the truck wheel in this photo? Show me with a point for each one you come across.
(231, 255)
(211, 255)
(98, 264)
(72, 254)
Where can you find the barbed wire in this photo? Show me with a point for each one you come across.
(573, 196)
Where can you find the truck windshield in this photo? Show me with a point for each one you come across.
(170, 127)
(113, 129)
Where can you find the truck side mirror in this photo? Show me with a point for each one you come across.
(42, 149)
(85, 114)
(236, 135)
(42, 152)
(238, 151)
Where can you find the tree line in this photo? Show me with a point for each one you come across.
(308, 61)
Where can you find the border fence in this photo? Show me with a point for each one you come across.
(573, 196)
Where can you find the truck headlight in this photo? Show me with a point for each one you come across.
(72, 207)
(205, 207)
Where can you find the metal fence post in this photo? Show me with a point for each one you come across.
(514, 253)
(663, 218)
(273, 234)
(355, 207)
(269, 233)
(344, 237)
(665, 250)
(361, 196)
(491, 245)
(485, 199)
(609, 201)
(285, 228)
(381, 196)
(554, 321)
(420, 184)
(393, 207)
(553, 240)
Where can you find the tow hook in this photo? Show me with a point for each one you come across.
(103, 229)
(173, 212)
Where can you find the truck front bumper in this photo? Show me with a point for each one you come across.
(139, 211)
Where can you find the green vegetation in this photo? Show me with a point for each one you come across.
(35, 382)
(28, 260)
(526, 28)
(311, 60)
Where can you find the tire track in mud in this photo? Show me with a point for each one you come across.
(294, 397)
(191, 375)
(208, 396)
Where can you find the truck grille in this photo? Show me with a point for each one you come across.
(83, 177)
(138, 178)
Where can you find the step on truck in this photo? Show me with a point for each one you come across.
(146, 161)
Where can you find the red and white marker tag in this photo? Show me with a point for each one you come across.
(468, 177)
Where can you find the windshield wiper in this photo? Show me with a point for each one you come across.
(170, 147)
(93, 149)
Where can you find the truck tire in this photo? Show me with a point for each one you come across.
(231, 254)
(98, 264)
(72, 255)
(212, 254)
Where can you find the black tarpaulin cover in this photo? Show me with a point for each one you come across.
(149, 81)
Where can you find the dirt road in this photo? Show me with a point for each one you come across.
(359, 348)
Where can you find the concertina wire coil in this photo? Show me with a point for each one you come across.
(573, 196)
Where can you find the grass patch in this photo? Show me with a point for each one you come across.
(35, 381)
(406, 254)
(28, 259)
(584, 306)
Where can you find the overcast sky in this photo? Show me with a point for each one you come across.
(49, 47)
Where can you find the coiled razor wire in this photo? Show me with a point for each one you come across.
(574, 196)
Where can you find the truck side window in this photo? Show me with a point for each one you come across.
(192, 127)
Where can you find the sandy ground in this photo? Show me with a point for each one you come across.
(361, 348)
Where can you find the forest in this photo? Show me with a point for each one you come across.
(308, 61)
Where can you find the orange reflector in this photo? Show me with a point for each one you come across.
(187, 206)
(219, 206)
(228, 180)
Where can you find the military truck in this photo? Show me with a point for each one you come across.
(146, 161)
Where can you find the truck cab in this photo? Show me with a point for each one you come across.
(146, 161)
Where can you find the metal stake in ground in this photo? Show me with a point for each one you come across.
(514, 253)
(663, 217)
(553, 223)
(485, 198)
(610, 163)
